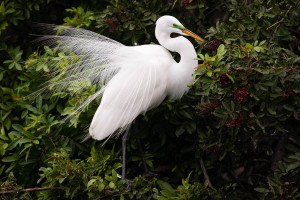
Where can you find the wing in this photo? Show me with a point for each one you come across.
(134, 90)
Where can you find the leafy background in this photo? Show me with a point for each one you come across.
(235, 135)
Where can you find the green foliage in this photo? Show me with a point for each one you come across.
(80, 19)
(132, 19)
(94, 175)
(12, 12)
(187, 191)
(241, 116)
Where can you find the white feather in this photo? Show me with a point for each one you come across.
(136, 88)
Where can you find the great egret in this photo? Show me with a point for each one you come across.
(134, 79)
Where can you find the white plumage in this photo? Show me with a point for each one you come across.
(134, 79)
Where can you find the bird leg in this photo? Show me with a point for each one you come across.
(124, 140)
(141, 152)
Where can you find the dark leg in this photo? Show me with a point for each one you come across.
(141, 152)
(124, 140)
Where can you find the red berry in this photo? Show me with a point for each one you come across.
(112, 23)
(241, 94)
(208, 108)
(224, 79)
(213, 45)
(186, 2)
(287, 93)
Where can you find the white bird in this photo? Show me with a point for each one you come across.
(134, 79)
(148, 74)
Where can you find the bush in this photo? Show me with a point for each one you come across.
(235, 135)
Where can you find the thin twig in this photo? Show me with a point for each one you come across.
(278, 23)
(205, 173)
(30, 190)
(211, 11)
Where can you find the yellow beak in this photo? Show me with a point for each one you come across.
(190, 33)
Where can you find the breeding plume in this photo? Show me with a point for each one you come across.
(133, 79)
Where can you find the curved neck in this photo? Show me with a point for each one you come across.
(181, 74)
(180, 45)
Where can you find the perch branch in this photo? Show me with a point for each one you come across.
(278, 23)
(30, 190)
(205, 173)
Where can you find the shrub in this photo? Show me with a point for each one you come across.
(235, 135)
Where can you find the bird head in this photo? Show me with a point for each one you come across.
(172, 25)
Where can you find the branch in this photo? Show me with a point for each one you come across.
(205, 173)
(30, 190)
(211, 11)
(278, 23)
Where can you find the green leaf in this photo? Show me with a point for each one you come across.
(262, 71)
(205, 80)
(10, 158)
(226, 106)
(288, 107)
(186, 114)
(111, 185)
(24, 140)
(18, 128)
(200, 71)
(292, 166)
(296, 156)
(257, 49)
(230, 77)
(221, 50)
(61, 180)
(18, 66)
(33, 109)
(201, 56)
(209, 73)
(269, 83)
(220, 115)
(259, 124)
(271, 109)
(91, 182)
(131, 27)
(262, 42)
(114, 176)
(179, 131)
(261, 190)
(101, 187)
(232, 105)
(165, 186)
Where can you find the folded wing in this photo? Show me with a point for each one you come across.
(134, 90)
